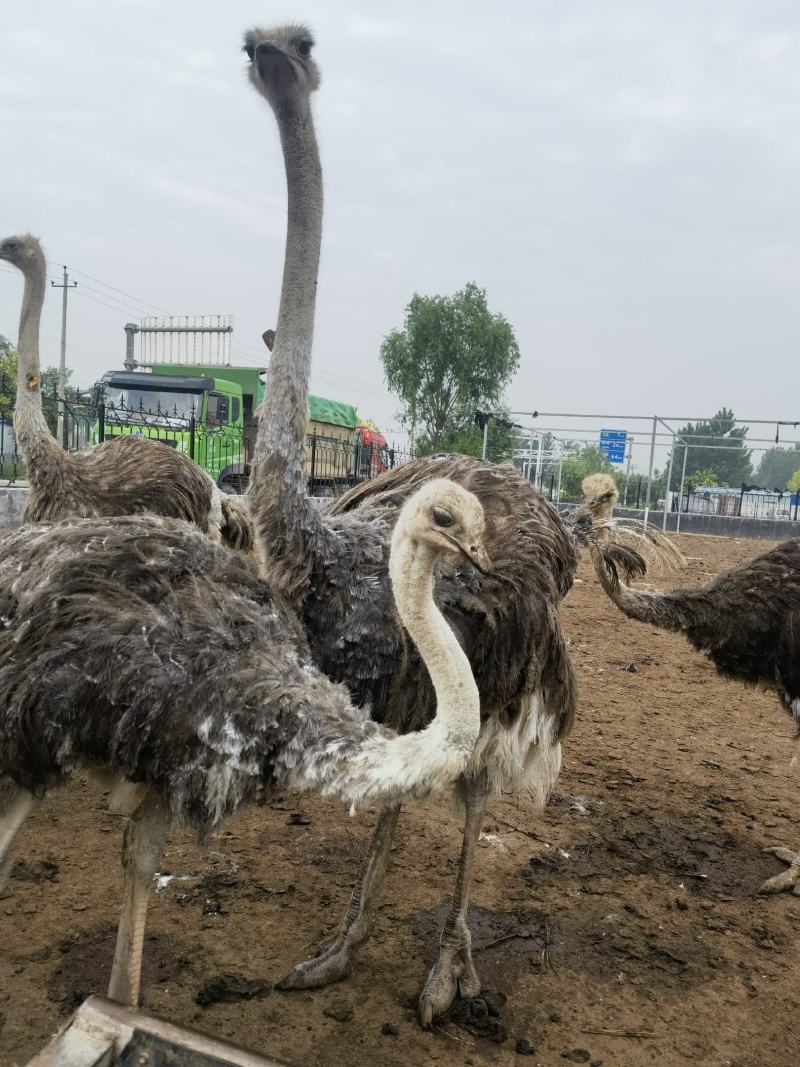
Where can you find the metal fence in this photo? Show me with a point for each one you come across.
(745, 503)
(336, 457)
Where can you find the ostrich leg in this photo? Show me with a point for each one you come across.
(786, 879)
(142, 848)
(454, 968)
(336, 962)
(12, 817)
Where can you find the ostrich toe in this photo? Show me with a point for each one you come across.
(453, 971)
(786, 879)
(332, 965)
(6, 865)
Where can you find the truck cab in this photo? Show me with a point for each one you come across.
(199, 415)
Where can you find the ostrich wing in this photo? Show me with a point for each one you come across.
(507, 621)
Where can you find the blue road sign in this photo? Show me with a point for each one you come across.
(612, 445)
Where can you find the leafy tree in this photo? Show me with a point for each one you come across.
(777, 466)
(8, 377)
(452, 356)
(467, 440)
(698, 478)
(793, 484)
(731, 465)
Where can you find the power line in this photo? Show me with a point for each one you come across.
(94, 299)
(138, 300)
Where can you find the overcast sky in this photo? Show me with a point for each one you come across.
(623, 178)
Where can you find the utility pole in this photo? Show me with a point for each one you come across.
(628, 470)
(62, 362)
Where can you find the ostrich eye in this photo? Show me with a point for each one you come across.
(250, 50)
(441, 517)
(304, 47)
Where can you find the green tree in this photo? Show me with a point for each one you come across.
(731, 464)
(698, 478)
(8, 377)
(777, 466)
(467, 440)
(793, 484)
(452, 357)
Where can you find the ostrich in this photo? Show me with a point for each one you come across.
(333, 566)
(747, 620)
(600, 494)
(124, 476)
(164, 660)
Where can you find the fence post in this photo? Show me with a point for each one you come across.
(101, 422)
(191, 433)
(313, 463)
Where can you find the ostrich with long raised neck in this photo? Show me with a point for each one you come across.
(126, 475)
(334, 566)
(170, 665)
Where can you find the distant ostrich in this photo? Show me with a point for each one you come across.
(163, 659)
(600, 494)
(124, 476)
(747, 620)
(334, 567)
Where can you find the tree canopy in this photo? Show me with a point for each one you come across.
(777, 466)
(730, 464)
(453, 355)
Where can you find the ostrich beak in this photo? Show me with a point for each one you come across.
(476, 554)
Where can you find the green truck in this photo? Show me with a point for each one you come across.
(211, 414)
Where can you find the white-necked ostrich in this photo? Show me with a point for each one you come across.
(747, 620)
(334, 567)
(137, 646)
(126, 475)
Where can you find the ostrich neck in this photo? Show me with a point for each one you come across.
(31, 430)
(411, 567)
(675, 610)
(282, 425)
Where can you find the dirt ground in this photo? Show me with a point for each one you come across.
(618, 926)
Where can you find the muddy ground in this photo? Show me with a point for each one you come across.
(620, 925)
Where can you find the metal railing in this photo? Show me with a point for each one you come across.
(745, 503)
(336, 457)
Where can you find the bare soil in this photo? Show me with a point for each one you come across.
(619, 926)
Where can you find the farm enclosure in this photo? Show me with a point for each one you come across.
(627, 912)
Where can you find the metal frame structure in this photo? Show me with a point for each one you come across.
(687, 440)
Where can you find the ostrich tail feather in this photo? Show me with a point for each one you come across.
(661, 555)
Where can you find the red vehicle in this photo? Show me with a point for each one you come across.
(374, 456)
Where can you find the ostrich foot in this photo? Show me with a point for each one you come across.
(453, 971)
(336, 962)
(786, 879)
(333, 965)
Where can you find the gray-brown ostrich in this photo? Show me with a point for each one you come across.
(137, 646)
(124, 476)
(334, 567)
(747, 620)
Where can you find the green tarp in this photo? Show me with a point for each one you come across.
(331, 411)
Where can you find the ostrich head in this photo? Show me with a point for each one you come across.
(600, 494)
(281, 67)
(445, 516)
(22, 251)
